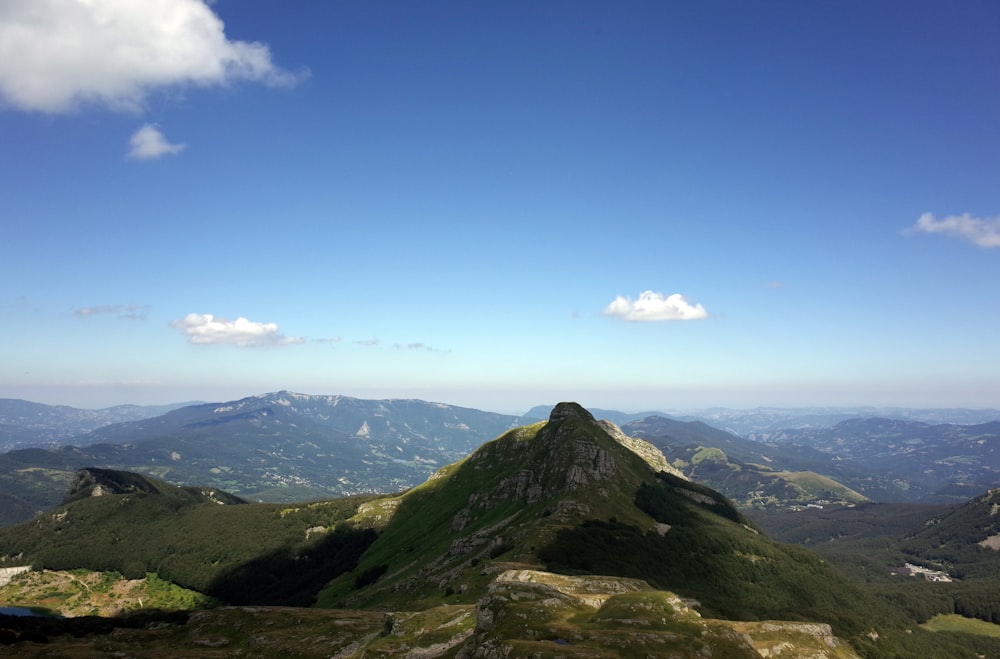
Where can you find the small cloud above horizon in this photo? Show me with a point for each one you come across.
(148, 143)
(56, 57)
(983, 232)
(124, 311)
(207, 329)
(652, 306)
(418, 346)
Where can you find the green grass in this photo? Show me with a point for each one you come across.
(709, 454)
(817, 485)
(82, 592)
(956, 623)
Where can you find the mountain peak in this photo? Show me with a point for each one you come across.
(501, 504)
(564, 410)
(652, 455)
(95, 482)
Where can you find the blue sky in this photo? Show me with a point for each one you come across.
(634, 205)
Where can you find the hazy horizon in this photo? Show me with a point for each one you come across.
(592, 401)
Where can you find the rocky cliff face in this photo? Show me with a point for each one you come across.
(567, 455)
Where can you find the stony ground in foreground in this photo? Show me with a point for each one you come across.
(526, 613)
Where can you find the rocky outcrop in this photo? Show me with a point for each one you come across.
(527, 611)
(8, 573)
(814, 640)
(653, 456)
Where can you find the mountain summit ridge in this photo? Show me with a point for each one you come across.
(511, 492)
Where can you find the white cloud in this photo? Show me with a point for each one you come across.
(56, 55)
(982, 232)
(148, 143)
(204, 329)
(654, 306)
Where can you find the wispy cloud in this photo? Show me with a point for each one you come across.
(206, 329)
(417, 346)
(56, 56)
(979, 231)
(651, 306)
(369, 343)
(148, 143)
(124, 311)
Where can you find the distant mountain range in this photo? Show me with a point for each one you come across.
(860, 459)
(948, 461)
(285, 446)
(273, 447)
(758, 475)
(24, 424)
(769, 419)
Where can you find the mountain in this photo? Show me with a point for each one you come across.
(948, 462)
(886, 460)
(292, 447)
(770, 419)
(752, 473)
(24, 424)
(274, 447)
(565, 537)
(964, 541)
(745, 422)
(540, 412)
(197, 537)
(926, 560)
(94, 482)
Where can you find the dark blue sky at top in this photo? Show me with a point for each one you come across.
(451, 196)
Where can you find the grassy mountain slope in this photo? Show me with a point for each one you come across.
(555, 538)
(506, 500)
(266, 553)
(966, 540)
(564, 496)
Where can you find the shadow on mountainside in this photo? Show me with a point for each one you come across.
(45, 629)
(293, 577)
